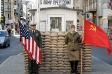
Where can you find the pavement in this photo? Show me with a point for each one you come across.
(15, 65)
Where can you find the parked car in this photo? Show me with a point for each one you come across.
(4, 38)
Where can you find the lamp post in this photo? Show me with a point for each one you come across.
(32, 11)
(26, 3)
(37, 14)
(36, 10)
(27, 16)
(62, 4)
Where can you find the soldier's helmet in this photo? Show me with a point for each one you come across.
(32, 23)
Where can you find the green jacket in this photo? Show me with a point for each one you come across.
(72, 40)
(73, 48)
(37, 37)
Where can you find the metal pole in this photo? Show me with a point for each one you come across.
(83, 34)
(26, 17)
(81, 60)
(37, 18)
(85, 8)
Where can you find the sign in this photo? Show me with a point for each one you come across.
(104, 18)
(7, 22)
(54, 2)
(89, 17)
(1, 18)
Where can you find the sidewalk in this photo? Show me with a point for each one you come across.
(15, 65)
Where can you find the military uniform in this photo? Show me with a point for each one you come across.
(72, 40)
(33, 66)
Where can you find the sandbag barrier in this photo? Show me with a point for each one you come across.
(54, 54)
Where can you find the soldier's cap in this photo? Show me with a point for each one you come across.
(32, 24)
(72, 26)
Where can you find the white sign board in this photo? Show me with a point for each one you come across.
(55, 3)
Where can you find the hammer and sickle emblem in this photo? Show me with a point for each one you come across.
(93, 28)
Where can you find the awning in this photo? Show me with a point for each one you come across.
(1, 18)
(104, 18)
(109, 17)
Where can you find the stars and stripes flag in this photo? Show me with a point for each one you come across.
(29, 44)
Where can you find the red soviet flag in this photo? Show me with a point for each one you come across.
(94, 35)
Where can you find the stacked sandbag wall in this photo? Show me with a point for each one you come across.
(54, 54)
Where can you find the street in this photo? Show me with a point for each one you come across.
(14, 49)
(101, 53)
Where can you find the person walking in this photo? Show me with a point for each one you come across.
(9, 32)
(72, 39)
(36, 35)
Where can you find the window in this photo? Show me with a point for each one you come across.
(55, 23)
(14, 2)
(8, 15)
(18, 4)
(2, 33)
(68, 24)
(68, 2)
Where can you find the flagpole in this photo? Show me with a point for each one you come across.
(82, 40)
(81, 57)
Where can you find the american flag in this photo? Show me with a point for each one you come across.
(29, 43)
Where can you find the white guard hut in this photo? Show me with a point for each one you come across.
(57, 19)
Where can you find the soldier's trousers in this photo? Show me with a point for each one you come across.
(33, 66)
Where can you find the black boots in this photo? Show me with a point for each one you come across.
(74, 71)
(77, 72)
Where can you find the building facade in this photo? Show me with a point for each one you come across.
(90, 8)
(106, 13)
(95, 10)
(2, 9)
(18, 10)
(78, 4)
(9, 12)
(0, 15)
(2, 19)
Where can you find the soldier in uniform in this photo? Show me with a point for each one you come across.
(72, 39)
(33, 66)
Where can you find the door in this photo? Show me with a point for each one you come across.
(56, 23)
